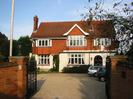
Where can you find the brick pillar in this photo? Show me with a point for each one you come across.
(21, 74)
(118, 85)
(115, 59)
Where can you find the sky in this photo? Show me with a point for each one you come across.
(46, 10)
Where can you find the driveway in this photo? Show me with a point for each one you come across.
(69, 86)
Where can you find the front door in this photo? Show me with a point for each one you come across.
(98, 60)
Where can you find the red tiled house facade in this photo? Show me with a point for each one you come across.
(76, 43)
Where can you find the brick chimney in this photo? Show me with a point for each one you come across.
(35, 23)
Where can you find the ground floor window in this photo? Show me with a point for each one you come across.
(76, 59)
(43, 59)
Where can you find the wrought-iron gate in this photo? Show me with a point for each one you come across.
(31, 78)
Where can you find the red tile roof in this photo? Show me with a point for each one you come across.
(57, 29)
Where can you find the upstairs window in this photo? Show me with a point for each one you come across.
(76, 41)
(44, 43)
(102, 41)
(76, 59)
(43, 60)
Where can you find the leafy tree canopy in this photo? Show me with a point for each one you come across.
(121, 13)
(4, 45)
(25, 45)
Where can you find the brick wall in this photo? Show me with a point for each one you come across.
(13, 78)
(121, 79)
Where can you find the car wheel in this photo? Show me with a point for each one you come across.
(102, 79)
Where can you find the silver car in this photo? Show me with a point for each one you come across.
(93, 69)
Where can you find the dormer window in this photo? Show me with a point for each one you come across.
(43, 43)
(76, 40)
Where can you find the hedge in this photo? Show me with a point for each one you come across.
(76, 69)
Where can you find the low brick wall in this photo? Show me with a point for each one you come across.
(13, 79)
(121, 79)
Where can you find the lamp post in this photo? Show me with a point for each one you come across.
(11, 28)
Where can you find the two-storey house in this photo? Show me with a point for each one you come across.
(76, 43)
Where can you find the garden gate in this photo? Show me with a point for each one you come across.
(31, 78)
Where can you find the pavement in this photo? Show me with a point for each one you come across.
(69, 86)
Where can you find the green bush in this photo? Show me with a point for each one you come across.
(41, 71)
(3, 58)
(76, 69)
(54, 69)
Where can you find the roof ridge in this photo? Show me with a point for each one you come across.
(61, 21)
(72, 21)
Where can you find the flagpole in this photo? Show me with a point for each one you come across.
(11, 28)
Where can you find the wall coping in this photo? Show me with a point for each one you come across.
(118, 57)
(7, 64)
(19, 57)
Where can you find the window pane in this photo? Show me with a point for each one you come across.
(83, 61)
(72, 60)
(39, 42)
(76, 60)
(42, 42)
(46, 43)
(80, 61)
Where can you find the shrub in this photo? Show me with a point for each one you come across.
(3, 58)
(76, 69)
(54, 69)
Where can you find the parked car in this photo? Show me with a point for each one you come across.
(101, 74)
(92, 70)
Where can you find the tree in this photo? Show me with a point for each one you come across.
(25, 45)
(4, 45)
(121, 15)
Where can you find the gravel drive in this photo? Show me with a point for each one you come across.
(69, 86)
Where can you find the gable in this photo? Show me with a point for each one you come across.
(76, 30)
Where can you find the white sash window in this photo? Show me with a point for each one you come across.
(43, 43)
(102, 41)
(76, 59)
(76, 41)
(43, 59)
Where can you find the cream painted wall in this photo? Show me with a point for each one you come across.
(64, 58)
(63, 61)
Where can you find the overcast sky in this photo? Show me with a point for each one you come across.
(46, 10)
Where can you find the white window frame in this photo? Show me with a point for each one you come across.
(76, 59)
(43, 60)
(102, 42)
(44, 43)
(77, 40)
